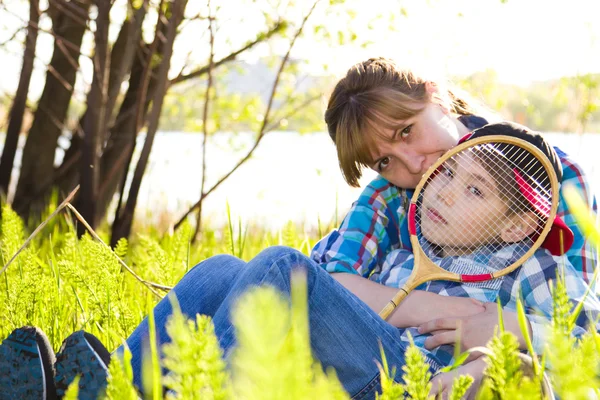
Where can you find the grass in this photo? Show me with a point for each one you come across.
(62, 283)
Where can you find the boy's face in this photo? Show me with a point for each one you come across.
(416, 145)
(461, 207)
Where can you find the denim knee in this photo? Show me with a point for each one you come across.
(219, 264)
(274, 255)
(285, 260)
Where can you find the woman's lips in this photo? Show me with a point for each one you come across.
(435, 216)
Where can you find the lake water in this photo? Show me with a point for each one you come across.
(290, 177)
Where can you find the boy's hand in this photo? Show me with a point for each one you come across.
(474, 330)
(442, 384)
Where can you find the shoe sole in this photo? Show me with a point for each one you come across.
(82, 354)
(26, 360)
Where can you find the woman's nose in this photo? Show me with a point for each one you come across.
(413, 160)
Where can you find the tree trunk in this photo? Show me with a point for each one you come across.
(123, 221)
(94, 124)
(122, 57)
(121, 143)
(17, 110)
(38, 154)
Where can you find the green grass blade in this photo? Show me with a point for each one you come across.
(525, 331)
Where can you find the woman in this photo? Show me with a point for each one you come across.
(379, 117)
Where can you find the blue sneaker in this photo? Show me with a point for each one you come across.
(26, 366)
(82, 354)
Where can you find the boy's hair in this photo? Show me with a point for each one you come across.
(503, 159)
(376, 93)
(502, 173)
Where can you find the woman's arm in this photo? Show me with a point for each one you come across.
(417, 308)
(583, 255)
(442, 383)
(369, 231)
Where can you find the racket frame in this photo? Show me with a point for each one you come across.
(424, 269)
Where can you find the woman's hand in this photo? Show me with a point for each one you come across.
(474, 330)
(442, 383)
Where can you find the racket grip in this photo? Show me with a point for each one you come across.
(392, 304)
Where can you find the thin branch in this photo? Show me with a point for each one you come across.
(262, 132)
(41, 64)
(70, 10)
(205, 117)
(148, 284)
(140, 111)
(289, 98)
(74, 63)
(56, 36)
(59, 78)
(201, 71)
(40, 227)
(293, 112)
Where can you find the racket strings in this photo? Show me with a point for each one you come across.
(515, 157)
(538, 179)
(484, 197)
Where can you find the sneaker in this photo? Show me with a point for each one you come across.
(82, 354)
(26, 366)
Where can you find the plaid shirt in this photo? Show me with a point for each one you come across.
(530, 282)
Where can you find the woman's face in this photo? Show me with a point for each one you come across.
(416, 145)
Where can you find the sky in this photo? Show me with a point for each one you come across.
(522, 40)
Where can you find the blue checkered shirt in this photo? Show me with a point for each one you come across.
(530, 282)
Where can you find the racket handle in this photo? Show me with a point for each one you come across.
(393, 303)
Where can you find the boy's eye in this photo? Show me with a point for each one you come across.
(475, 191)
(385, 161)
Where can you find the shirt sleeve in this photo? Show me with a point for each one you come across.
(369, 231)
(537, 276)
(582, 255)
(396, 268)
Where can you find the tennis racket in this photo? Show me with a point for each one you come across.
(489, 192)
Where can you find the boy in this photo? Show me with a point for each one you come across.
(456, 206)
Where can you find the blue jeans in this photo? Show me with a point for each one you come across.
(344, 331)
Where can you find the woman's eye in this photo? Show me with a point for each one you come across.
(475, 191)
(447, 171)
(405, 132)
(383, 163)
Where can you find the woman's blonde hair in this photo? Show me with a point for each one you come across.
(376, 93)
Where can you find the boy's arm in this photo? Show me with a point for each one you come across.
(417, 308)
(442, 383)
